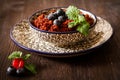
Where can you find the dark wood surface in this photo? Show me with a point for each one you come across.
(102, 64)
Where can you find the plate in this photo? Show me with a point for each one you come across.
(23, 36)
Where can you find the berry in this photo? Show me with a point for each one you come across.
(20, 71)
(52, 16)
(11, 71)
(19, 68)
(56, 22)
(60, 12)
(55, 14)
(65, 16)
(61, 18)
(18, 63)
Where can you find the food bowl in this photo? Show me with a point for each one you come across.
(60, 39)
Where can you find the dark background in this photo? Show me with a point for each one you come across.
(102, 64)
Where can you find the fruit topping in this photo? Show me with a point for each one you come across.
(61, 18)
(57, 22)
(52, 16)
(60, 12)
(57, 17)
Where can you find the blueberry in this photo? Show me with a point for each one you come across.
(52, 16)
(11, 71)
(57, 22)
(55, 15)
(65, 16)
(60, 12)
(61, 18)
(20, 72)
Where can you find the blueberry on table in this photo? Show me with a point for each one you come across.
(60, 12)
(11, 71)
(20, 72)
(19, 68)
(56, 22)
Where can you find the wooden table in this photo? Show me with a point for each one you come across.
(102, 64)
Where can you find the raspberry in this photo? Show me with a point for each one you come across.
(18, 63)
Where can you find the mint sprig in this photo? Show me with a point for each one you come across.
(18, 54)
(26, 56)
(31, 68)
(15, 54)
(83, 28)
(79, 20)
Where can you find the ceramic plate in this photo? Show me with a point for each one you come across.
(22, 35)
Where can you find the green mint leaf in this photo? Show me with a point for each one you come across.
(72, 12)
(15, 54)
(84, 28)
(26, 56)
(79, 21)
(81, 18)
(72, 24)
(31, 68)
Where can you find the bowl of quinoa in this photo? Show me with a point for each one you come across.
(54, 26)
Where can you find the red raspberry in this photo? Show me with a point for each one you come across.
(18, 63)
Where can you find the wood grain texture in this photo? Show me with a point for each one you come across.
(102, 64)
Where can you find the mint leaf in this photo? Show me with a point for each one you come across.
(31, 68)
(81, 18)
(72, 24)
(83, 28)
(26, 56)
(79, 21)
(72, 12)
(15, 54)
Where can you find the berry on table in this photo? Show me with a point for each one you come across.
(20, 71)
(18, 63)
(11, 71)
(19, 67)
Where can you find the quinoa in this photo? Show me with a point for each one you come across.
(23, 34)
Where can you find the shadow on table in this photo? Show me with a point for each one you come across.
(97, 57)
